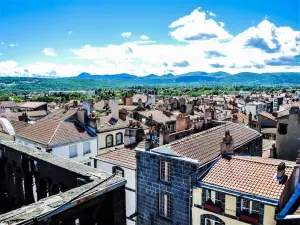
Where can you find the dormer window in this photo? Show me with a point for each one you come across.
(249, 206)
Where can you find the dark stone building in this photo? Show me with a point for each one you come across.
(166, 174)
(55, 190)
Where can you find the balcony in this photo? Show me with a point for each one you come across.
(212, 207)
(253, 219)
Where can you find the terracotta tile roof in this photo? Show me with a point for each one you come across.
(32, 105)
(268, 115)
(19, 125)
(251, 175)
(242, 117)
(55, 129)
(136, 98)
(15, 116)
(108, 123)
(123, 157)
(205, 146)
(8, 104)
(158, 116)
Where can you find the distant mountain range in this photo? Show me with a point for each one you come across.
(245, 78)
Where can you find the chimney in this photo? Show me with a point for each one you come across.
(227, 144)
(75, 104)
(23, 117)
(114, 107)
(164, 136)
(234, 118)
(250, 119)
(281, 172)
(212, 114)
(182, 122)
(98, 124)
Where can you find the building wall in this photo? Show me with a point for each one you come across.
(266, 122)
(149, 187)
(288, 144)
(130, 189)
(232, 205)
(102, 140)
(63, 151)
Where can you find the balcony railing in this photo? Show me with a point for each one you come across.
(212, 207)
(254, 219)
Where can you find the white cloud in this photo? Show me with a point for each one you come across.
(2, 43)
(11, 45)
(70, 32)
(261, 48)
(49, 52)
(144, 37)
(196, 27)
(126, 34)
(211, 14)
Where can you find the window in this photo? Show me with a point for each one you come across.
(165, 171)
(282, 128)
(109, 140)
(118, 171)
(86, 148)
(207, 195)
(119, 138)
(249, 206)
(87, 163)
(72, 151)
(165, 205)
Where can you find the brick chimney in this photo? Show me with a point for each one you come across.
(23, 117)
(182, 122)
(227, 144)
(234, 118)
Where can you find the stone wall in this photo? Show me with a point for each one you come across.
(149, 187)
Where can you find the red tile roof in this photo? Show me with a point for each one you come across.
(268, 115)
(205, 146)
(19, 125)
(31, 105)
(251, 175)
(55, 129)
(123, 157)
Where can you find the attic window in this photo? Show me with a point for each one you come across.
(282, 128)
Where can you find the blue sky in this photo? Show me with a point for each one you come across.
(73, 36)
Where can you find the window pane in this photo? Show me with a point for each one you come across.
(109, 140)
(86, 148)
(119, 138)
(72, 151)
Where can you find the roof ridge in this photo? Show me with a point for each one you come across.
(54, 132)
(263, 160)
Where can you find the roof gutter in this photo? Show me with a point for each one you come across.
(240, 194)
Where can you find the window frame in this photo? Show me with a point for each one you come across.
(84, 153)
(249, 208)
(119, 134)
(165, 171)
(75, 155)
(282, 128)
(165, 205)
(118, 168)
(112, 141)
